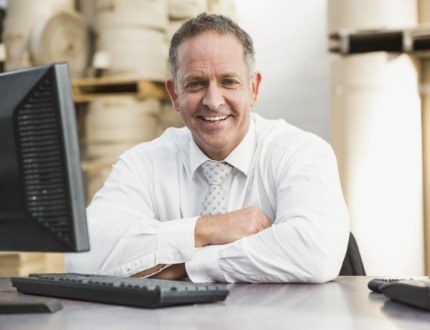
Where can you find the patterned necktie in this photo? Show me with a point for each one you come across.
(215, 173)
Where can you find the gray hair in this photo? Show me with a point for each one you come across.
(210, 22)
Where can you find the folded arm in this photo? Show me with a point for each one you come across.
(307, 241)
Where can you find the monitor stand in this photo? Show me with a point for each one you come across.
(15, 305)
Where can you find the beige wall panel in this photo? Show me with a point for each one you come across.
(376, 127)
(371, 14)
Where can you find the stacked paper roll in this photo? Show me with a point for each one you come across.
(183, 9)
(143, 13)
(46, 31)
(95, 175)
(426, 153)
(134, 52)
(174, 25)
(424, 11)
(130, 36)
(54, 263)
(21, 264)
(180, 12)
(169, 118)
(121, 120)
(223, 7)
(376, 131)
(371, 14)
(113, 125)
(61, 37)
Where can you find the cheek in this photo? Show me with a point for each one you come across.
(188, 101)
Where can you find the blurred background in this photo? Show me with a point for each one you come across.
(354, 72)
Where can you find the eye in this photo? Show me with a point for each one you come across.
(194, 85)
(230, 82)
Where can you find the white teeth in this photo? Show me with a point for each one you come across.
(217, 118)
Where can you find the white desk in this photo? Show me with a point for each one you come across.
(343, 304)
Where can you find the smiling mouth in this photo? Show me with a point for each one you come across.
(214, 119)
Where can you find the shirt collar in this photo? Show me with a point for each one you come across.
(240, 157)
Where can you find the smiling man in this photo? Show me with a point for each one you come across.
(213, 89)
(232, 197)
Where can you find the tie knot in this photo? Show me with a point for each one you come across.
(216, 172)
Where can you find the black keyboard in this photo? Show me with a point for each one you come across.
(377, 284)
(413, 292)
(136, 292)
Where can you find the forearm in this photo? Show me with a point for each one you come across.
(227, 228)
(294, 251)
(306, 243)
(133, 245)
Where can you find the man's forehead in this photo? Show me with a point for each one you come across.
(210, 41)
(220, 68)
(210, 49)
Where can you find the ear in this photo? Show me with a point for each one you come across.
(255, 87)
(170, 86)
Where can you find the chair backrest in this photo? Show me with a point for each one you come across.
(352, 264)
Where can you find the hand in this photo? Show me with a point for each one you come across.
(148, 271)
(173, 272)
(229, 227)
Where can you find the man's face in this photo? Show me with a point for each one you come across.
(213, 92)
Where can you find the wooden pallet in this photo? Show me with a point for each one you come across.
(90, 89)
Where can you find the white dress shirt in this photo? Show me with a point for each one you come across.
(146, 212)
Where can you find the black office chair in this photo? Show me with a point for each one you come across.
(352, 264)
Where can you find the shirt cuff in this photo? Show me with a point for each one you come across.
(176, 241)
(204, 266)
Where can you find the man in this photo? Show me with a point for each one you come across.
(230, 198)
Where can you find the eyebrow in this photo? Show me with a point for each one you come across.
(203, 77)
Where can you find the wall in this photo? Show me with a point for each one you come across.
(291, 45)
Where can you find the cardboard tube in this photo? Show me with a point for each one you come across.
(377, 138)
(424, 11)
(371, 14)
(426, 156)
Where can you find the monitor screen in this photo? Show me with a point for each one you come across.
(42, 199)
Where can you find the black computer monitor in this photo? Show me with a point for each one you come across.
(42, 199)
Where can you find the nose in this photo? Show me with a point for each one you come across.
(213, 98)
